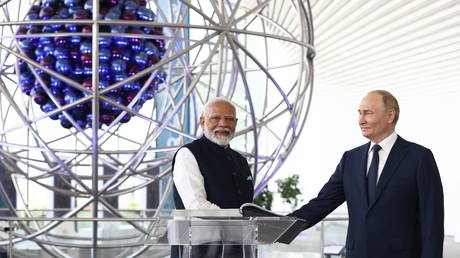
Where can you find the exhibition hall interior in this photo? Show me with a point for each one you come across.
(266, 97)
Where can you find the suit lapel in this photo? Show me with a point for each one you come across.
(362, 184)
(397, 153)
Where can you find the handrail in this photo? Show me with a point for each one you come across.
(338, 218)
(76, 219)
(10, 220)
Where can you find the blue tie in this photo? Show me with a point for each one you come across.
(372, 174)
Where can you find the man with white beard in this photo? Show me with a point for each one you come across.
(208, 174)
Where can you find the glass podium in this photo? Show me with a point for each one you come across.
(205, 233)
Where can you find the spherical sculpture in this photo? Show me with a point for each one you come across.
(72, 56)
(99, 151)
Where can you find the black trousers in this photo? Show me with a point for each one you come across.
(211, 251)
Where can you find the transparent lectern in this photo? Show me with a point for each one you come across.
(222, 233)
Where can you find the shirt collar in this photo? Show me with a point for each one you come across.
(386, 143)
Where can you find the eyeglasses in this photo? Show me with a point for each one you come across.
(217, 118)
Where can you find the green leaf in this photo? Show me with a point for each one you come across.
(265, 199)
(288, 190)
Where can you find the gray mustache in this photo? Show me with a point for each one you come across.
(221, 129)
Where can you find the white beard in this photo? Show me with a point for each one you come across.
(221, 140)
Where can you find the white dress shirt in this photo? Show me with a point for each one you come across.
(189, 181)
(386, 145)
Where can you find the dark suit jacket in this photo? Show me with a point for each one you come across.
(405, 220)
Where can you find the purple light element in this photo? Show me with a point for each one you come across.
(46, 13)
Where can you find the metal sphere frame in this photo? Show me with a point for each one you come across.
(258, 54)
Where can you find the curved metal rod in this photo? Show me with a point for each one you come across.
(309, 56)
(161, 24)
(251, 105)
(37, 136)
(309, 82)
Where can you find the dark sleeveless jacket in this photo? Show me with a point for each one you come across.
(227, 177)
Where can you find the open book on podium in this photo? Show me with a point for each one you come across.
(290, 233)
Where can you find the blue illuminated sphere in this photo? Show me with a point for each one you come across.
(119, 58)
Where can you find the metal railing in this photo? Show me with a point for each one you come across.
(12, 224)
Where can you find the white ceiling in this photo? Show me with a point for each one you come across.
(405, 45)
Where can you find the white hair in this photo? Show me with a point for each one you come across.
(215, 100)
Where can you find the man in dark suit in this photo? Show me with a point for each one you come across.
(393, 190)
